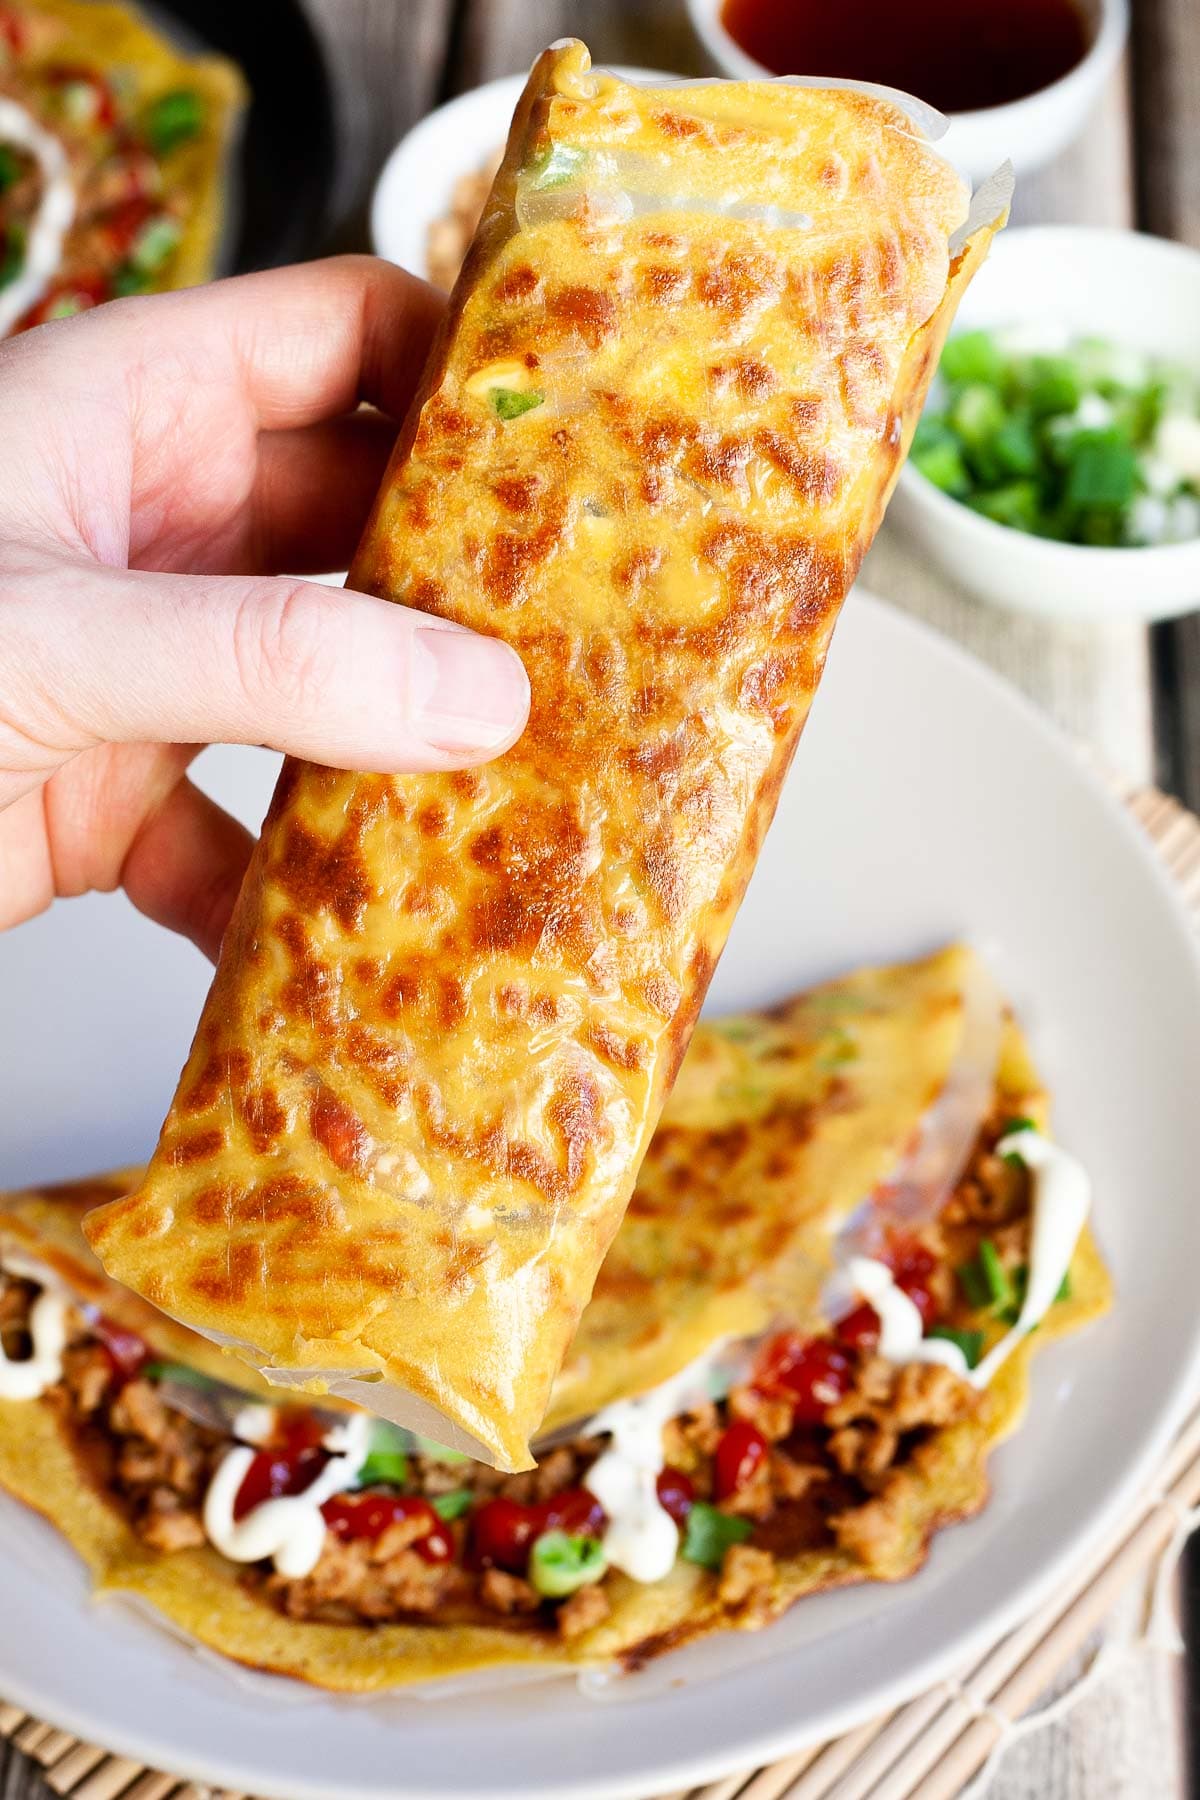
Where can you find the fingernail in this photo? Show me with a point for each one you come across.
(466, 692)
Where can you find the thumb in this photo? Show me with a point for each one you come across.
(92, 654)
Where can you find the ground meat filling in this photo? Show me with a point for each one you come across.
(799, 1474)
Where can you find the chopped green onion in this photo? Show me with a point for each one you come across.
(709, 1534)
(127, 280)
(1102, 471)
(977, 414)
(12, 254)
(384, 1467)
(973, 356)
(158, 241)
(510, 403)
(10, 168)
(454, 1504)
(559, 1564)
(1064, 1287)
(973, 1283)
(840, 1049)
(173, 119)
(175, 1371)
(556, 166)
(1011, 1126)
(999, 1286)
(969, 1342)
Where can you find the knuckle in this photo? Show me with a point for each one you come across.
(281, 647)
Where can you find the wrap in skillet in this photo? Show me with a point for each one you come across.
(113, 151)
(673, 392)
(853, 1131)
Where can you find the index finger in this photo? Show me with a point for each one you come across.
(293, 346)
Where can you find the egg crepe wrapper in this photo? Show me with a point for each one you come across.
(118, 43)
(652, 445)
(829, 1062)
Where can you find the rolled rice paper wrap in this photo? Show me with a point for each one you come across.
(655, 438)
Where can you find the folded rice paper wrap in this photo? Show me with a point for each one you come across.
(783, 1130)
(674, 388)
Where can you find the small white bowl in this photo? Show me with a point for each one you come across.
(1026, 132)
(415, 184)
(1141, 292)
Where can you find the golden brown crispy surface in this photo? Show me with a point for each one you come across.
(449, 1007)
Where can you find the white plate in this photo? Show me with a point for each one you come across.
(927, 801)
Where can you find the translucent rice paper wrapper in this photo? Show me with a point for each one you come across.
(450, 1007)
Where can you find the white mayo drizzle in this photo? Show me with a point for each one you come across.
(1062, 1197)
(290, 1530)
(44, 245)
(642, 1539)
(28, 1380)
(901, 1328)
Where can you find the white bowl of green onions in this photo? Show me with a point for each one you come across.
(1056, 467)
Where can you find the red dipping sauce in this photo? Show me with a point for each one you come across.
(960, 55)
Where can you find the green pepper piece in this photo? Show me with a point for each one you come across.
(454, 1504)
(709, 1534)
(977, 414)
(510, 403)
(387, 1468)
(969, 1342)
(996, 1277)
(1102, 471)
(10, 168)
(559, 1563)
(174, 1371)
(12, 254)
(943, 465)
(1015, 447)
(1054, 386)
(1015, 504)
(172, 119)
(973, 356)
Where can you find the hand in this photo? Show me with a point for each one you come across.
(160, 460)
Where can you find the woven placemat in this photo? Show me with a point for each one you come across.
(936, 1744)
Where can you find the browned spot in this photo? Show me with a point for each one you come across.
(231, 1276)
(633, 570)
(511, 560)
(199, 1148)
(322, 875)
(452, 1001)
(426, 595)
(340, 1133)
(369, 970)
(222, 1071)
(814, 474)
(433, 820)
(622, 1053)
(385, 1065)
(739, 283)
(517, 492)
(587, 312)
(721, 460)
(311, 991)
(662, 994)
(664, 286)
(468, 784)
(665, 876)
(263, 1116)
(678, 125)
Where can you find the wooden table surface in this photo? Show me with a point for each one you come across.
(1132, 696)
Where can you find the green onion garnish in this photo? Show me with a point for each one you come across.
(973, 1283)
(175, 1371)
(999, 1286)
(173, 119)
(12, 254)
(10, 168)
(709, 1534)
(454, 1504)
(559, 1564)
(556, 166)
(158, 241)
(386, 1467)
(510, 403)
(969, 1342)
